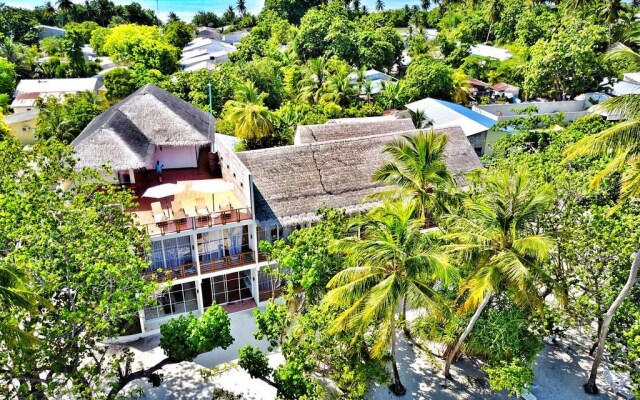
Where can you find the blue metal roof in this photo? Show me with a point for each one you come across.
(472, 115)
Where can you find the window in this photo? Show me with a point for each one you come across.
(228, 288)
(179, 299)
(177, 251)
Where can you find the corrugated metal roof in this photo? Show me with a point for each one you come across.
(446, 114)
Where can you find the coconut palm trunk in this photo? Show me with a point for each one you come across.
(590, 386)
(464, 335)
(397, 388)
(403, 317)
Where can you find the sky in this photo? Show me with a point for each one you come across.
(187, 8)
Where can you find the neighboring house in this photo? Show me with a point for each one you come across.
(23, 125)
(444, 114)
(376, 78)
(204, 53)
(502, 89)
(46, 31)
(29, 90)
(477, 88)
(335, 129)
(211, 255)
(629, 84)
(293, 182)
(236, 36)
(483, 50)
(208, 33)
(571, 109)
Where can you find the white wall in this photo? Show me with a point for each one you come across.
(176, 157)
(544, 107)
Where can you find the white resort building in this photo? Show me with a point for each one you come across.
(206, 218)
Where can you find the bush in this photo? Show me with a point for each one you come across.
(429, 77)
(253, 360)
(185, 337)
(515, 376)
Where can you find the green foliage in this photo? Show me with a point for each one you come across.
(178, 33)
(516, 377)
(19, 24)
(141, 46)
(292, 383)
(428, 77)
(569, 63)
(252, 360)
(120, 83)
(479, 67)
(185, 337)
(84, 29)
(7, 76)
(329, 31)
(306, 256)
(222, 394)
(51, 46)
(81, 257)
(271, 323)
(98, 39)
(65, 120)
(504, 333)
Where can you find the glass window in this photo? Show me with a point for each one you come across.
(179, 299)
(177, 251)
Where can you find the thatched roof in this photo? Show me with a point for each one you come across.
(292, 182)
(345, 128)
(126, 134)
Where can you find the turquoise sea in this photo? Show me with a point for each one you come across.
(187, 8)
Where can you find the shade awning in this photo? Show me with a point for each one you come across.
(164, 190)
(211, 186)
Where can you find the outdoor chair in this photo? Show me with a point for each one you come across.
(178, 212)
(202, 211)
(159, 217)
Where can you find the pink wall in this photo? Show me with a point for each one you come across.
(176, 157)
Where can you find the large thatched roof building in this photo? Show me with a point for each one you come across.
(351, 127)
(151, 124)
(292, 182)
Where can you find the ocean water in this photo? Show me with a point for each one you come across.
(185, 9)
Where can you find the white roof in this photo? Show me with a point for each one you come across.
(490, 51)
(444, 114)
(621, 88)
(21, 117)
(632, 77)
(208, 43)
(220, 56)
(51, 86)
(51, 28)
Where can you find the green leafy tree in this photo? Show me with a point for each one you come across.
(120, 83)
(495, 234)
(428, 77)
(178, 33)
(141, 46)
(390, 268)
(98, 39)
(181, 339)
(64, 120)
(393, 95)
(569, 63)
(7, 76)
(82, 257)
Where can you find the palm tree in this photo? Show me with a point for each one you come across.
(65, 6)
(390, 265)
(419, 119)
(393, 95)
(340, 89)
(425, 4)
(241, 6)
(367, 91)
(622, 141)
(247, 112)
(16, 53)
(379, 5)
(315, 75)
(460, 87)
(48, 11)
(14, 294)
(494, 234)
(417, 171)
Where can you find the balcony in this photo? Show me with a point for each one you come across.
(228, 208)
(206, 267)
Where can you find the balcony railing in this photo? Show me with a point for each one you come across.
(227, 262)
(167, 274)
(188, 270)
(177, 225)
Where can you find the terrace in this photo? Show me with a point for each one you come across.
(227, 208)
